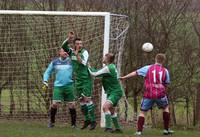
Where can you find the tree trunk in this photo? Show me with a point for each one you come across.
(173, 115)
(12, 104)
(194, 109)
(197, 105)
(27, 88)
(0, 100)
(135, 104)
(187, 111)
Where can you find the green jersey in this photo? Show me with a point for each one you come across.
(110, 80)
(80, 69)
(83, 80)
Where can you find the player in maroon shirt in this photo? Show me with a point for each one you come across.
(156, 80)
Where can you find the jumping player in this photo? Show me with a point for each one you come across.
(83, 81)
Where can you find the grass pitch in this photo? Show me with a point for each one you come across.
(10, 128)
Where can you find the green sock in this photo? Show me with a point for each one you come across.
(84, 109)
(91, 111)
(116, 122)
(108, 120)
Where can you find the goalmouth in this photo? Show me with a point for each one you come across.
(30, 39)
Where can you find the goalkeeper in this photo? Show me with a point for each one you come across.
(113, 90)
(63, 86)
(83, 80)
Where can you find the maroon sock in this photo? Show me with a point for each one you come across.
(140, 123)
(166, 118)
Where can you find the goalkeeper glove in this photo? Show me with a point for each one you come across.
(45, 86)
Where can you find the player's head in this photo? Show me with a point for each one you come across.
(78, 43)
(63, 54)
(160, 58)
(108, 58)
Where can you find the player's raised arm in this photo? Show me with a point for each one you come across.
(65, 44)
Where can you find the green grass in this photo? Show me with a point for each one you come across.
(21, 98)
(39, 129)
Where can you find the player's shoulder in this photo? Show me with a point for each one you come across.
(84, 51)
(55, 60)
(111, 67)
(144, 69)
(68, 61)
(166, 69)
(147, 66)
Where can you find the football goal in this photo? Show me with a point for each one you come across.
(29, 40)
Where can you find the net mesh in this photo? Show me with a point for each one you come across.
(28, 43)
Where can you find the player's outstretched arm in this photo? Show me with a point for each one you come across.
(132, 74)
(100, 72)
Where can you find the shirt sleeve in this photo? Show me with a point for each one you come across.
(48, 72)
(85, 57)
(66, 48)
(167, 81)
(143, 71)
(102, 71)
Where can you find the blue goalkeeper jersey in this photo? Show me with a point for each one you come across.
(62, 70)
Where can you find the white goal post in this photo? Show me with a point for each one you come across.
(114, 33)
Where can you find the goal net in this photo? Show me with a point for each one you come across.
(29, 40)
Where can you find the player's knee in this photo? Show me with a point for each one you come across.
(166, 109)
(81, 100)
(55, 105)
(142, 114)
(72, 105)
(87, 99)
(112, 110)
(105, 108)
(114, 114)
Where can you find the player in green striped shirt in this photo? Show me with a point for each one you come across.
(83, 81)
(113, 90)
